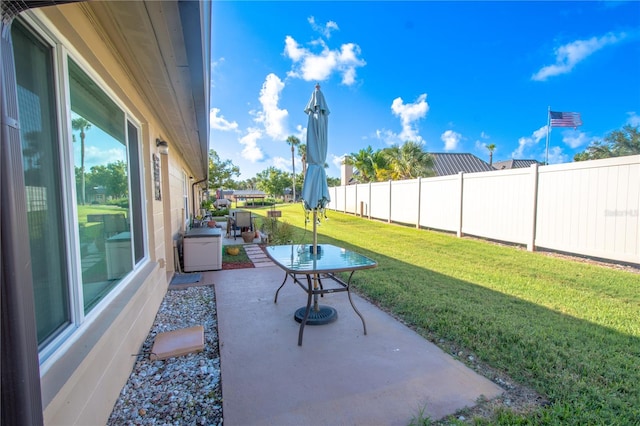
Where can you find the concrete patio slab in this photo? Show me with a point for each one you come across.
(338, 376)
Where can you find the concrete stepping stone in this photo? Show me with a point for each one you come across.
(177, 343)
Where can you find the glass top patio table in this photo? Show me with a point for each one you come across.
(298, 259)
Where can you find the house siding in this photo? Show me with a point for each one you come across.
(82, 378)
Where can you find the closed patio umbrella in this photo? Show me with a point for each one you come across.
(315, 191)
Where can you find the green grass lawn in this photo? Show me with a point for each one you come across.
(88, 209)
(91, 230)
(568, 329)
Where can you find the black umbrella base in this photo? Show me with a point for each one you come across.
(324, 315)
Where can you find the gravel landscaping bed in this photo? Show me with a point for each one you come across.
(183, 390)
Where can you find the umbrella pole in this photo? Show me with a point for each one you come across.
(316, 308)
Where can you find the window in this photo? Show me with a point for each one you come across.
(71, 277)
(102, 193)
(42, 175)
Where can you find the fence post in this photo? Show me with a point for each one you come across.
(459, 231)
(344, 207)
(390, 200)
(369, 206)
(419, 201)
(335, 198)
(355, 202)
(531, 245)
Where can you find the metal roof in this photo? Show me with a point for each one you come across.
(513, 164)
(446, 164)
(249, 193)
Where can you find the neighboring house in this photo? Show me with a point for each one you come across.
(513, 164)
(126, 77)
(224, 193)
(97, 195)
(288, 195)
(446, 164)
(248, 195)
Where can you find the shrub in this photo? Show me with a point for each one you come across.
(207, 204)
(279, 232)
(120, 202)
(219, 212)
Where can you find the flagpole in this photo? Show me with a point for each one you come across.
(546, 159)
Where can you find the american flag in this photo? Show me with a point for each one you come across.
(565, 119)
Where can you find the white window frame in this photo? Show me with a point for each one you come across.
(62, 51)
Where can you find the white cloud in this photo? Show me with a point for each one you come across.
(271, 117)
(292, 50)
(251, 150)
(570, 54)
(451, 140)
(529, 141)
(409, 114)
(301, 133)
(337, 160)
(324, 30)
(389, 137)
(634, 119)
(282, 164)
(483, 135)
(556, 156)
(319, 66)
(574, 138)
(94, 156)
(218, 122)
(214, 71)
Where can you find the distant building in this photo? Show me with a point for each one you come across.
(248, 195)
(445, 164)
(346, 174)
(224, 193)
(513, 164)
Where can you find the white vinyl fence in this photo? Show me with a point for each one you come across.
(591, 208)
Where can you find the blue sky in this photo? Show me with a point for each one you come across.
(454, 76)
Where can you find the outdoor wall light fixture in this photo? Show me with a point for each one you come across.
(163, 146)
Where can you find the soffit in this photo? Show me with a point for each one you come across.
(147, 38)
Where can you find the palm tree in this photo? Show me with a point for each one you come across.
(302, 152)
(293, 141)
(408, 161)
(491, 147)
(361, 161)
(82, 125)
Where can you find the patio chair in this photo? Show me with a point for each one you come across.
(241, 222)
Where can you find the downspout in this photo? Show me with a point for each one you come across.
(193, 193)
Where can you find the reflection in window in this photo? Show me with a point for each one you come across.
(102, 187)
(41, 163)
